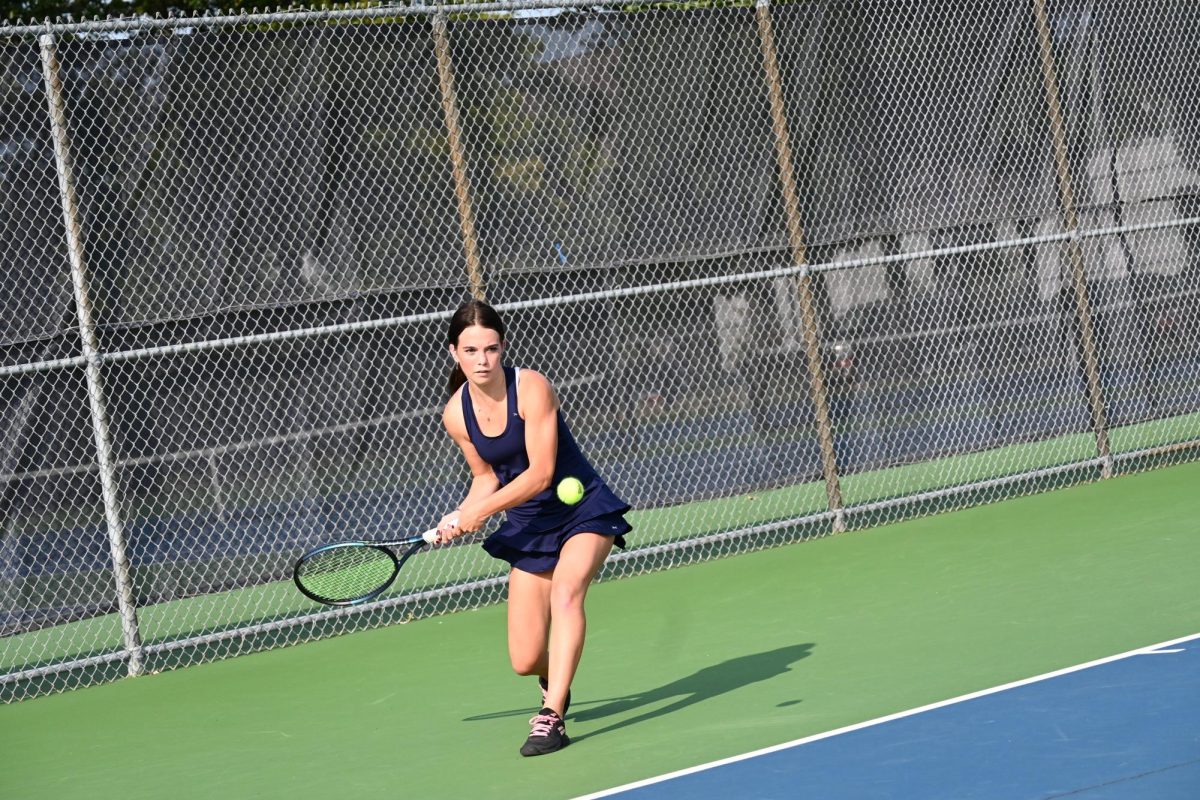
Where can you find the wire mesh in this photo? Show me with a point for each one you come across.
(793, 268)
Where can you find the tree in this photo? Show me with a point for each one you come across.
(78, 10)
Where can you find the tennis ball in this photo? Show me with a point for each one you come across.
(570, 491)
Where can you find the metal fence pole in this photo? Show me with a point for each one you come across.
(87, 335)
(458, 162)
(1066, 194)
(809, 322)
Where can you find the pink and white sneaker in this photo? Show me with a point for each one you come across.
(549, 733)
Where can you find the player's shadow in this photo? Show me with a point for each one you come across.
(701, 685)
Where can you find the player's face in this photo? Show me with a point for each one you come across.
(478, 353)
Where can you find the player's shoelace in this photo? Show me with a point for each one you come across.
(543, 724)
(547, 735)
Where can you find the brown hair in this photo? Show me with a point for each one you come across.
(472, 312)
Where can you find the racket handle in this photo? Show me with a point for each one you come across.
(431, 535)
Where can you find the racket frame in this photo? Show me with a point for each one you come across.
(411, 543)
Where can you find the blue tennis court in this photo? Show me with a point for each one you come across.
(1122, 728)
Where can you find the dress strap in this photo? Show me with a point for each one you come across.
(513, 385)
(468, 409)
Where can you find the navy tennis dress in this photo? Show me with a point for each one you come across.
(534, 532)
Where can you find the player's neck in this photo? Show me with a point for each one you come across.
(494, 391)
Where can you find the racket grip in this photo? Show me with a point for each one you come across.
(430, 536)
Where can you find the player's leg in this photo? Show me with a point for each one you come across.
(528, 636)
(529, 622)
(580, 560)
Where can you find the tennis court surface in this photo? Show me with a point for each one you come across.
(714, 661)
(1122, 727)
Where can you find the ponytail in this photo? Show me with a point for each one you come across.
(457, 379)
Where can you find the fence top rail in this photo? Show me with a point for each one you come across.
(378, 12)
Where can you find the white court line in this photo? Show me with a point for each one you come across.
(1149, 650)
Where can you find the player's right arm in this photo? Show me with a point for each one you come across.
(484, 482)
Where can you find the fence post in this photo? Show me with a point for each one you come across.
(458, 162)
(809, 319)
(1066, 194)
(87, 335)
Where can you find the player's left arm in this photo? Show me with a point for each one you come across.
(538, 405)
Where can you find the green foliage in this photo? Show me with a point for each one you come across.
(13, 11)
(34, 11)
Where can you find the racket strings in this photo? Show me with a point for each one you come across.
(346, 573)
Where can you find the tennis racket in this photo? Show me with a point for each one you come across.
(349, 573)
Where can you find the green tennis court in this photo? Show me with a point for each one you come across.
(683, 666)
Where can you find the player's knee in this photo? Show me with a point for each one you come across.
(525, 663)
(567, 599)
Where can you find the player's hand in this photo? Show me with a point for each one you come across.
(448, 528)
(469, 520)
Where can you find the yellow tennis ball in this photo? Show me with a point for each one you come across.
(570, 491)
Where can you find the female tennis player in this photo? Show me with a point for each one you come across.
(517, 444)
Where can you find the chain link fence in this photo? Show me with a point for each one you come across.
(795, 268)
